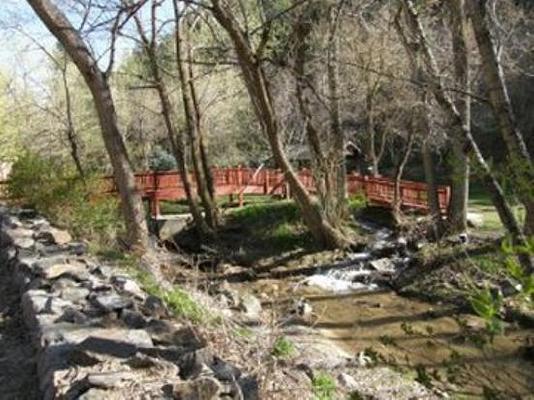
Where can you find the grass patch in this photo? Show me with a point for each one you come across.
(275, 227)
(183, 305)
(323, 386)
(480, 203)
(283, 348)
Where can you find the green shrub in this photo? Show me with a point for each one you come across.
(324, 386)
(357, 201)
(283, 348)
(57, 192)
(183, 305)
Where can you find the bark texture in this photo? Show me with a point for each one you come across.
(457, 215)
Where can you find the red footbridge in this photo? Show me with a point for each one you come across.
(240, 181)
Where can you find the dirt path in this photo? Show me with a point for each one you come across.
(18, 380)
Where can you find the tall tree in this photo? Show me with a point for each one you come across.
(98, 82)
(150, 46)
(460, 131)
(493, 74)
(258, 87)
(457, 215)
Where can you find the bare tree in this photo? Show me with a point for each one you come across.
(493, 75)
(193, 119)
(457, 215)
(150, 45)
(461, 133)
(97, 81)
(259, 91)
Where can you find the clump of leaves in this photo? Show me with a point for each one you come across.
(324, 386)
(183, 305)
(524, 279)
(487, 304)
(283, 348)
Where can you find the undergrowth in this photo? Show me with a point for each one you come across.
(57, 192)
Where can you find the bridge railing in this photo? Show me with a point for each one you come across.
(168, 185)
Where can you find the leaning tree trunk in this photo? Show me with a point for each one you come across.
(257, 87)
(464, 135)
(493, 74)
(97, 81)
(457, 213)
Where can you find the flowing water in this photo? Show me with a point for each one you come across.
(432, 341)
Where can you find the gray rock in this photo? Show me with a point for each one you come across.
(128, 286)
(249, 388)
(24, 243)
(40, 302)
(109, 380)
(203, 388)
(57, 266)
(347, 381)
(192, 363)
(111, 302)
(75, 295)
(385, 265)
(155, 307)
(73, 316)
(50, 235)
(133, 319)
(250, 305)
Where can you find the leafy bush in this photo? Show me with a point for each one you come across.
(161, 160)
(283, 348)
(61, 195)
(183, 305)
(324, 386)
(357, 201)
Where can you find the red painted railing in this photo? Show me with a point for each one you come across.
(157, 186)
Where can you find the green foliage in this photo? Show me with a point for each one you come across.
(357, 201)
(58, 193)
(515, 271)
(161, 160)
(279, 224)
(283, 348)
(184, 306)
(324, 386)
(487, 305)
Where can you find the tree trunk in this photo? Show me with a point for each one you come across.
(338, 138)
(463, 134)
(493, 75)
(198, 152)
(175, 138)
(257, 87)
(457, 213)
(97, 81)
(71, 131)
(399, 171)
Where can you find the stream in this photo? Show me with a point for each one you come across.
(433, 342)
